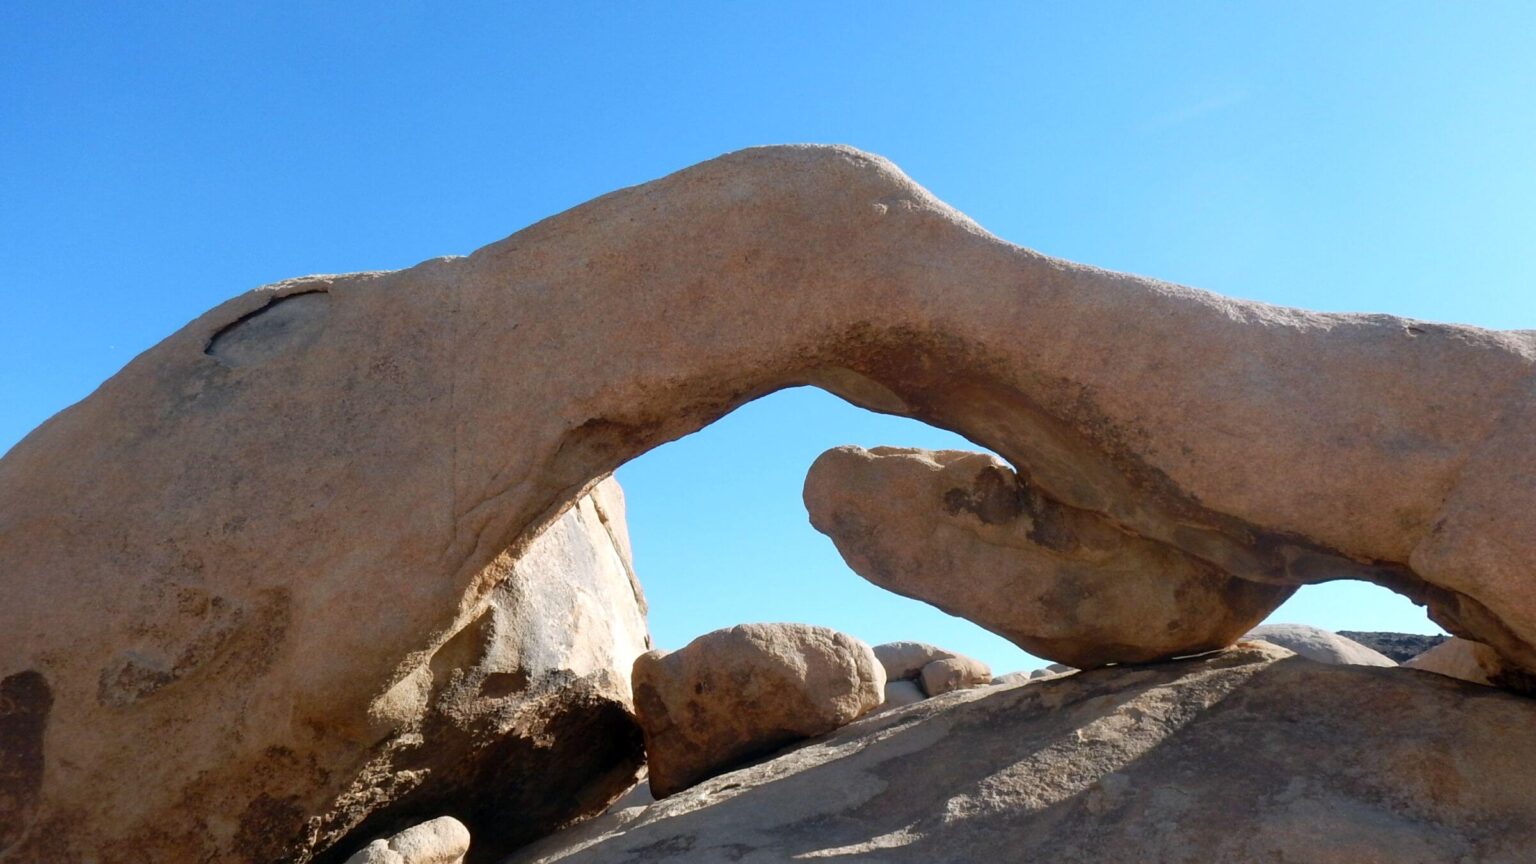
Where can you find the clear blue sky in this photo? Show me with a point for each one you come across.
(157, 158)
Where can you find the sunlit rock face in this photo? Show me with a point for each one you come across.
(221, 572)
(741, 693)
(1249, 755)
(966, 533)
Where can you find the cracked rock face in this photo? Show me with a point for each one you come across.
(1248, 755)
(738, 694)
(217, 564)
(964, 532)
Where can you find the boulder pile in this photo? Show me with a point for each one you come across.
(915, 671)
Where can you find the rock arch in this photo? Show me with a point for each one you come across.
(281, 509)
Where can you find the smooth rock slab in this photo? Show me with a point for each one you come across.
(1459, 658)
(743, 692)
(1322, 646)
(1250, 756)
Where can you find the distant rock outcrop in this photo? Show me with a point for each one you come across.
(743, 692)
(1401, 647)
(1315, 643)
(1248, 755)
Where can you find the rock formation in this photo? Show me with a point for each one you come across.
(1317, 644)
(930, 668)
(224, 569)
(900, 693)
(954, 673)
(515, 723)
(904, 661)
(1460, 658)
(966, 533)
(1244, 756)
(743, 692)
(443, 840)
(1398, 646)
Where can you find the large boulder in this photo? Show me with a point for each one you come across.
(1322, 646)
(515, 723)
(1247, 756)
(219, 567)
(954, 673)
(743, 692)
(965, 532)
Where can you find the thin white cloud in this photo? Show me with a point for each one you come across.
(1193, 111)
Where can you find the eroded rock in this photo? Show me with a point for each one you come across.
(964, 532)
(743, 692)
(1249, 755)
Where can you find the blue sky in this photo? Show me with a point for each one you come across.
(161, 157)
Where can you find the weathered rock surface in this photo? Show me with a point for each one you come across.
(743, 692)
(443, 840)
(1315, 643)
(515, 723)
(966, 533)
(953, 673)
(217, 562)
(1248, 756)
(1459, 658)
(1399, 646)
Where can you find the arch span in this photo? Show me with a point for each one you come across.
(315, 491)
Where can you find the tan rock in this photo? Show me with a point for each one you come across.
(217, 563)
(954, 673)
(743, 692)
(903, 660)
(1459, 658)
(1246, 756)
(1322, 646)
(443, 840)
(516, 722)
(964, 532)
